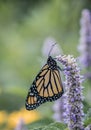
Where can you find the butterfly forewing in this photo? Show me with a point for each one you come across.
(58, 82)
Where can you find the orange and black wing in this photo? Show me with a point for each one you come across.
(47, 86)
(33, 101)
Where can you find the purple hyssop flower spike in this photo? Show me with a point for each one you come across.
(73, 106)
(85, 39)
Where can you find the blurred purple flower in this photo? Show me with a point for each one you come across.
(85, 39)
(21, 125)
(73, 107)
(47, 47)
(58, 110)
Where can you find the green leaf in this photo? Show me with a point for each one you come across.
(40, 124)
(55, 126)
(51, 128)
(58, 125)
(37, 128)
(46, 124)
(87, 122)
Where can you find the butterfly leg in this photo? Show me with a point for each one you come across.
(60, 68)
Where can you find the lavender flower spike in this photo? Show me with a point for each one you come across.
(73, 95)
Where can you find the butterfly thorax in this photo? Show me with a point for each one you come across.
(52, 63)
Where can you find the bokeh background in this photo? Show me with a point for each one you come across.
(24, 27)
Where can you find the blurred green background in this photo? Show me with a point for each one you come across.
(24, 26)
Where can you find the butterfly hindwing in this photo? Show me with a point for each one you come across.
(47, 85)
(33, 101)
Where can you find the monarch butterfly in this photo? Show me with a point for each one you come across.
(47, 85)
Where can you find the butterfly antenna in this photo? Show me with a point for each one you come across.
(51, 49)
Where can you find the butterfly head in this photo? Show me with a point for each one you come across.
(52, 63)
